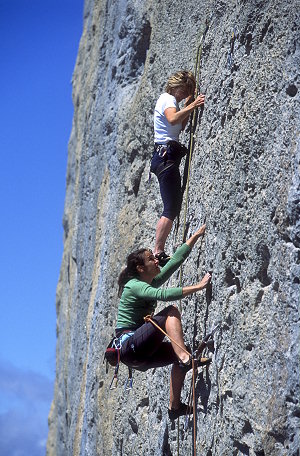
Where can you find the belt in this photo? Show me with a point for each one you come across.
(160, 149)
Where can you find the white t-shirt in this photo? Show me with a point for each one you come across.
(163, 130)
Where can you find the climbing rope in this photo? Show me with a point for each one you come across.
(195, 356)
(193, 125)
(194, 406)
(148, 318)
(185, 189)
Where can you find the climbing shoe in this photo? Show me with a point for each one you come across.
(163, 258)
(185, 367)
(183, 409)
(203, 361)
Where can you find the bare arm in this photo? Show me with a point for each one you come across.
(174, 117)
(186, 291)
(188, 101)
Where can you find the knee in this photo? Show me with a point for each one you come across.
(171, 209)
(170, 214)
(173, 311)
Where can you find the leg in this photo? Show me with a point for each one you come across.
(170, 190)
(163, 229)
(146, 346)
(150, 350)
(147, 340)
(176, 383)
(174, 330)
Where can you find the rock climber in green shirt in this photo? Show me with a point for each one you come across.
(139, 288)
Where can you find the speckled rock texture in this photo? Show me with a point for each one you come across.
(244, 183)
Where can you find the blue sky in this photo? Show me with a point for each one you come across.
(38, 48)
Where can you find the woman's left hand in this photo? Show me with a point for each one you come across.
(189, 100)
(199, 100)
(200, 232)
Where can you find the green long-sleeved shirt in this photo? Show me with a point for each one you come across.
(140, 299)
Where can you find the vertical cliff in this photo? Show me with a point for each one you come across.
(244, 183)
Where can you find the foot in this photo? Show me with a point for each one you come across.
(163, 258)
(183, 409)
(185, 367)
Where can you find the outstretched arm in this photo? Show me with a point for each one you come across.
(179, 256)
(144, 291)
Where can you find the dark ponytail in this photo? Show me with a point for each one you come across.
(135, 259)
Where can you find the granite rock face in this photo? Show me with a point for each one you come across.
(244, 183)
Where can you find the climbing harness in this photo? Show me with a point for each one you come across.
(112, 356)
(171, 153)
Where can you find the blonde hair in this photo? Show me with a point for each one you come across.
(184, 79)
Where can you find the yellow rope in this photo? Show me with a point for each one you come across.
(191, 146)
(193, 125)
(178, 436)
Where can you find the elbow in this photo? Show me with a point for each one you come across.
(172, 120)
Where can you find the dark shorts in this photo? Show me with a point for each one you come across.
(167, 171)
(146, 349)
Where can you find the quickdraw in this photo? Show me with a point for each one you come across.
(112, 356)
(230, 60)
